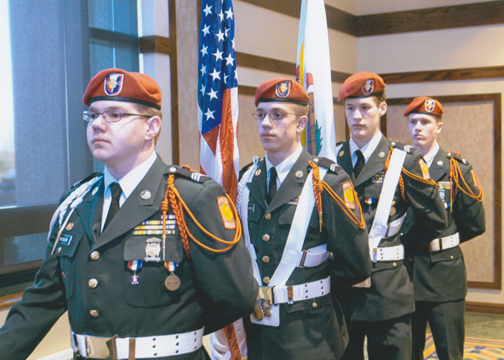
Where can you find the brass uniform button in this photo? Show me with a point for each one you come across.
(266, 237)
(314, 304)
(266, 280)
(267, 216)
(394, 264)
(451, 257)
(94, 313)
(265, 259)
(95, 255)
(92, 283)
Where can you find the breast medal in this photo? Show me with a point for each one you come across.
(135, 265)
(172, 281)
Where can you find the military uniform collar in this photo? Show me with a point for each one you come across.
(285, 166)
(128, 183)
(367, 150)
(440, 165)
(429, 157)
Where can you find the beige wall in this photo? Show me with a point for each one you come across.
(258, 32)
(449, 49)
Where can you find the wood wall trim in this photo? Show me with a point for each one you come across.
(487, 308)
(155, 43)
(247, 90)
(286, 67)
(496, 284)
(8, 300)
(279, 66)
(337, 19)
(446, 17)
(490, 72)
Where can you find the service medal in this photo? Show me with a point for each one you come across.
(172, 282)
(135, 280)
(135, 265)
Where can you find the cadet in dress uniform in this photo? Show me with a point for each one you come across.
(305, 231)
(438, 270)
(168, 266)
(389, 178)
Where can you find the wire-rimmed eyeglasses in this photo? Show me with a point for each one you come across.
(108, 116)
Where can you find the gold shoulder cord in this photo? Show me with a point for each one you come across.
(173, 198)
(456, 175)
(319, 186)
(410, 175)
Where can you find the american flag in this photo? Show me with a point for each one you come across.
(218, 94)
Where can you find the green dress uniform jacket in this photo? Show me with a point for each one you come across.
(313, 328)
(215, 289)
(391, 292)
(440, 276)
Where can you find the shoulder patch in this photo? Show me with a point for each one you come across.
(86, 179)
(327, 163)
(457, 156)
(226, 213)
(399, 145)
(195, 176)
(348, 195)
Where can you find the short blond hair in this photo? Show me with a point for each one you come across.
(150, 111)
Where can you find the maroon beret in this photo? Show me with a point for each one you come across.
(361, 84)
(122, 85)
(424, 105)
(281, 89)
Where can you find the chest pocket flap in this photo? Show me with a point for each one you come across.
(135, 248)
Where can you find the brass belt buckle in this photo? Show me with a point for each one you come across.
(101, 347)
(290, 295)
(265, 300)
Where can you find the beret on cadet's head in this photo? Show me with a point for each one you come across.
(283, 90)
(424, 105)
(361, 84)
(122, 85)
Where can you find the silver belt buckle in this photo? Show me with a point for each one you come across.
(101, 347)
(265, 299)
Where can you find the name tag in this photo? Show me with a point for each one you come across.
(65, 239)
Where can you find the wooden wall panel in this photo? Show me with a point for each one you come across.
(472, 126)
(446, 17)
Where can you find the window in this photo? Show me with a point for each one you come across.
(50, 50)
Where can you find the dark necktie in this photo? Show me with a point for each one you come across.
(116, 190)
(272, 188)
(359, 165)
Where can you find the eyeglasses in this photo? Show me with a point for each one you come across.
(108, 116)
(273, 115)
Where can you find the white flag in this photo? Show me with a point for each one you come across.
(314, 73)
